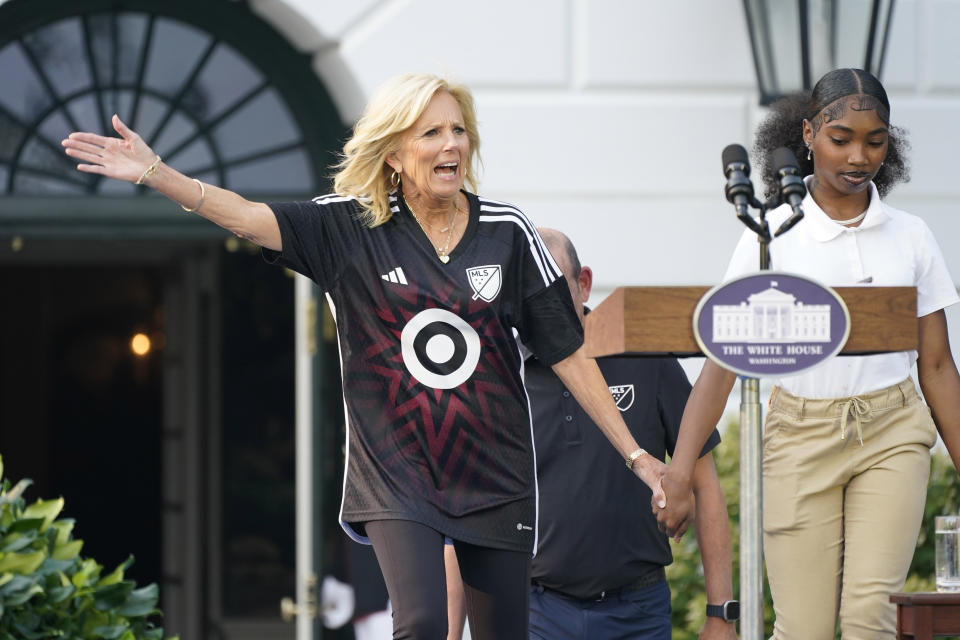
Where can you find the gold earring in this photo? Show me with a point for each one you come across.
(394, 179)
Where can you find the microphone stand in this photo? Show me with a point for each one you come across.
(751, 478)
(739, 191)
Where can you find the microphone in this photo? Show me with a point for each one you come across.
(739, 189)
(792, 187)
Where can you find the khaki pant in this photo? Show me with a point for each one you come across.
(844, 486)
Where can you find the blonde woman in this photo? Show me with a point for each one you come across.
(430, 284)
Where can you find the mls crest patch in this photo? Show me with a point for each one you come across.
(622, 396)
(485, 281)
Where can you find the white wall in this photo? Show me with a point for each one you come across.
(606, 118)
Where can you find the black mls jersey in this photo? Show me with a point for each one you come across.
(438, 420)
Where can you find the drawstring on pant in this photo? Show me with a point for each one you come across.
(861, 412)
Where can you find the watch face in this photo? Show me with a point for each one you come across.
(731, 610)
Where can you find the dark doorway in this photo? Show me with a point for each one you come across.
(257, 435)
(80, 410)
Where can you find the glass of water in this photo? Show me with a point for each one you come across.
(948, 553)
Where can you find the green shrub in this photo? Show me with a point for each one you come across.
(686, 574)
(47, 590)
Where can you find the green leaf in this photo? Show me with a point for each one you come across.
(46, 509)
(58, 587)
(86, 573)
(117, 574)
(113, 595)
(26, 524)
(110, 631)
(29, 633)
(14, 494)
(67, 551)
(64, 528)
(56, 595)
(17, 598)
(141, 602)
(51, 565)
(34, 631)
(16, 542)
(16, 583)
(5, 578)
(93, 619)
(22, 563)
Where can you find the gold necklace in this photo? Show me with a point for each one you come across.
(442, 254)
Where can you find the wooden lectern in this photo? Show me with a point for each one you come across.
(658, 321)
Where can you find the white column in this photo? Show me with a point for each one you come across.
(304, 344)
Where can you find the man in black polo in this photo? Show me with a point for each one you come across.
(599, 568)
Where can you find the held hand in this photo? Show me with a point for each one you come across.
(717, 629)
(677, 516)
(651, 470)
(123, 158)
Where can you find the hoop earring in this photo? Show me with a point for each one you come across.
(394, 179)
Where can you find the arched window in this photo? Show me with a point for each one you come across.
(217, 93)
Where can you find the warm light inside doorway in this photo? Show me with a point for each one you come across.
(140, 344)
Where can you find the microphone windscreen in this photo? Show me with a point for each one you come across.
(735, 153)
(783, 158)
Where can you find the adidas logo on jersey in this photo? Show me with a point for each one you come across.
(395, 275)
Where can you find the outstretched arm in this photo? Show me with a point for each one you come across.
(129, 158)
(940, 381)
(700, 417)
(582, 376)
(713, 538)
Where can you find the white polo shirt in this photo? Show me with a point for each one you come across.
(890, 248)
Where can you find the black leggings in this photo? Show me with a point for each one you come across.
(496, 583)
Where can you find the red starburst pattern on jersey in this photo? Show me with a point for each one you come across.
(462, 437)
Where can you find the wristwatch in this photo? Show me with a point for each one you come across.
(729, 610)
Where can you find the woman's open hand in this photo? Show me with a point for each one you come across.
(123, 158)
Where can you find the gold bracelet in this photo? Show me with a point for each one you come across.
(203, 194)
(633, 457)
(152, 169)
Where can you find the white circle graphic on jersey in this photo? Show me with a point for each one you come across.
(439, 348)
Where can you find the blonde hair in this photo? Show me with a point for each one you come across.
(363, 171)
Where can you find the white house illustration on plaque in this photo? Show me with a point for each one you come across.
(771, 315)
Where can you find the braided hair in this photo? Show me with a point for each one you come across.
(783, 126)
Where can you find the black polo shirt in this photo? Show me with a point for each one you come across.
(597, 531)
